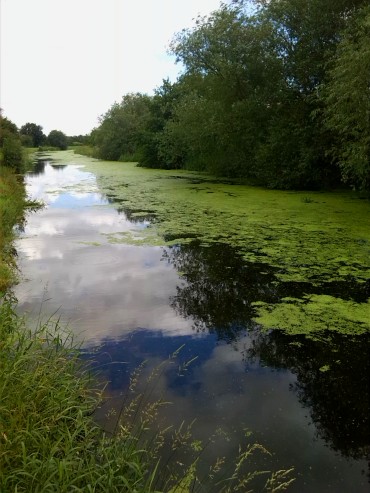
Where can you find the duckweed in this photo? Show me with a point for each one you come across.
(314, 237)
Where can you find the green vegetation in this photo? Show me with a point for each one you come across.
(11, 155)
(348, 101)
(57, 139)
(48, 438)
(315, 238)
(266, 96)
(32, 135)
(49, 441)
(12, 203)
(84, 150)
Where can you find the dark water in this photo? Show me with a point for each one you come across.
(132, 303)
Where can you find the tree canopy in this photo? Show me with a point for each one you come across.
(56, 138)
(35, 134)
(275, 91)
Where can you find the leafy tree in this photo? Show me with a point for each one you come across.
(256, 109)
(34, 132)
(257, 97)
(7, 128)
(77, 139)
(161, 110)
(347, 100)
(56, 138)
(121, 128)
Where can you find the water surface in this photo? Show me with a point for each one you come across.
(305, 399)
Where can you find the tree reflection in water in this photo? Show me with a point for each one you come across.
(332, 381)
(332, 372)
(219, 287)
(38, 167)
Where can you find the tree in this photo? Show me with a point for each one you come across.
(121, 129)
(161, 108)
(347, 98)
(7, 128)
(258, 98)
(256, 107)
(232, 76)
(56, 138)
(34, 132)
(13, 153)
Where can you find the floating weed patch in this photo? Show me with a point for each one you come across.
(314, 314)
(89, 243)
(329, 239)
(316, 238)
(143, 237)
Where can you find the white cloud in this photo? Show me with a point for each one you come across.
(64, 62)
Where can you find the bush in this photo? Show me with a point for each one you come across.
(13, 153)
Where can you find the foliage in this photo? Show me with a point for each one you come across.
(348, 102)
(250, 101)
(121, 129)
(34, 133)
(83, 150)
(7, 129)
(58, 139)
(12, 203)
(13, 153)
(77, 140)
(51, 442)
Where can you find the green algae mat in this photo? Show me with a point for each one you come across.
(309, 238)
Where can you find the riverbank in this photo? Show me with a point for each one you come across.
(48, 439)
(12, 204)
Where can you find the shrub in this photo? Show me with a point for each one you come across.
(13, 153)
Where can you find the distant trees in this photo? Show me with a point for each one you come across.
(32, 135)
(75, 140)
(280, 97)
(58, 139)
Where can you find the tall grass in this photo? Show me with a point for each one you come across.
(178, 458)
(49, 441)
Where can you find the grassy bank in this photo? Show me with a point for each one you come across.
(49, 441)
(84, 150)
(12, 204)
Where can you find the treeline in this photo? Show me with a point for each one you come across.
(275, 91)
(13, 142)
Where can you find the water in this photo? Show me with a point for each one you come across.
(130, 303)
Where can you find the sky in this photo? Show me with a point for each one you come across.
(63, 63)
